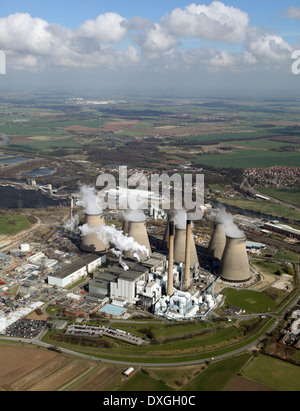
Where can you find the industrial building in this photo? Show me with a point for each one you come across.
(76, 270)
(283, 229)
(5, 260)
(126, 285)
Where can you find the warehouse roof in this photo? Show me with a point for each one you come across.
(77, 265)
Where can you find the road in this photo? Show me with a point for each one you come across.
(37, 341)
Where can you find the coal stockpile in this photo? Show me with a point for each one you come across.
(17, 198)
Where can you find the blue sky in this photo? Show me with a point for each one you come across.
(161, 39)
(71, 13)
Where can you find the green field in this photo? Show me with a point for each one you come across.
(263, 143)
(51, 144)
(288, 195)
(274, 373)
(13, 224)
(270, 267)
(265, 370)
(251, 159)
(264, 207)
(143, 382)
(217, 376)
(250, 301)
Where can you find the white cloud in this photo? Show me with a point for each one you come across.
(108, 27)
(24, 34)
(269, 48)
(214, 22)
(157, 40)
(292, 12)
(110, 41)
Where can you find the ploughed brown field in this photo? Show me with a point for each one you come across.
(32, 369)
(243, 384)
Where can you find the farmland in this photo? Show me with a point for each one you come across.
(24, 368)
(290, 195)
(33, 369)
(214, 133)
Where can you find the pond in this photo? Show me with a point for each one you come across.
(39, 172)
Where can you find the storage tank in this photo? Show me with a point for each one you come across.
(25, 247)
(234, 266)
(91, 241)
(217, 242)
(138, 231)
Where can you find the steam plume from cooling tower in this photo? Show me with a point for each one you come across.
(134, 215)
(220, 216)
(90, 200)
(109, 234)
(122, 242)
(181, 217)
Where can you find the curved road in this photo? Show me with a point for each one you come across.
(39, 343)
(131, 363)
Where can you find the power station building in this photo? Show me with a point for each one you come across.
(128, 285)
(166, 280)
(161, 280)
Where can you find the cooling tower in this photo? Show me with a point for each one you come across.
(234, 266)
(170, 289)
(138, 230)
(217, 242)
(180, 246)
(91, 242)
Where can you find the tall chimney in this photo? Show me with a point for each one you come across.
(188, 254)
(171, 259)
(165, 241)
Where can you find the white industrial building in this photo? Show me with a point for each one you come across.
(76, 270)
(36, 258)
